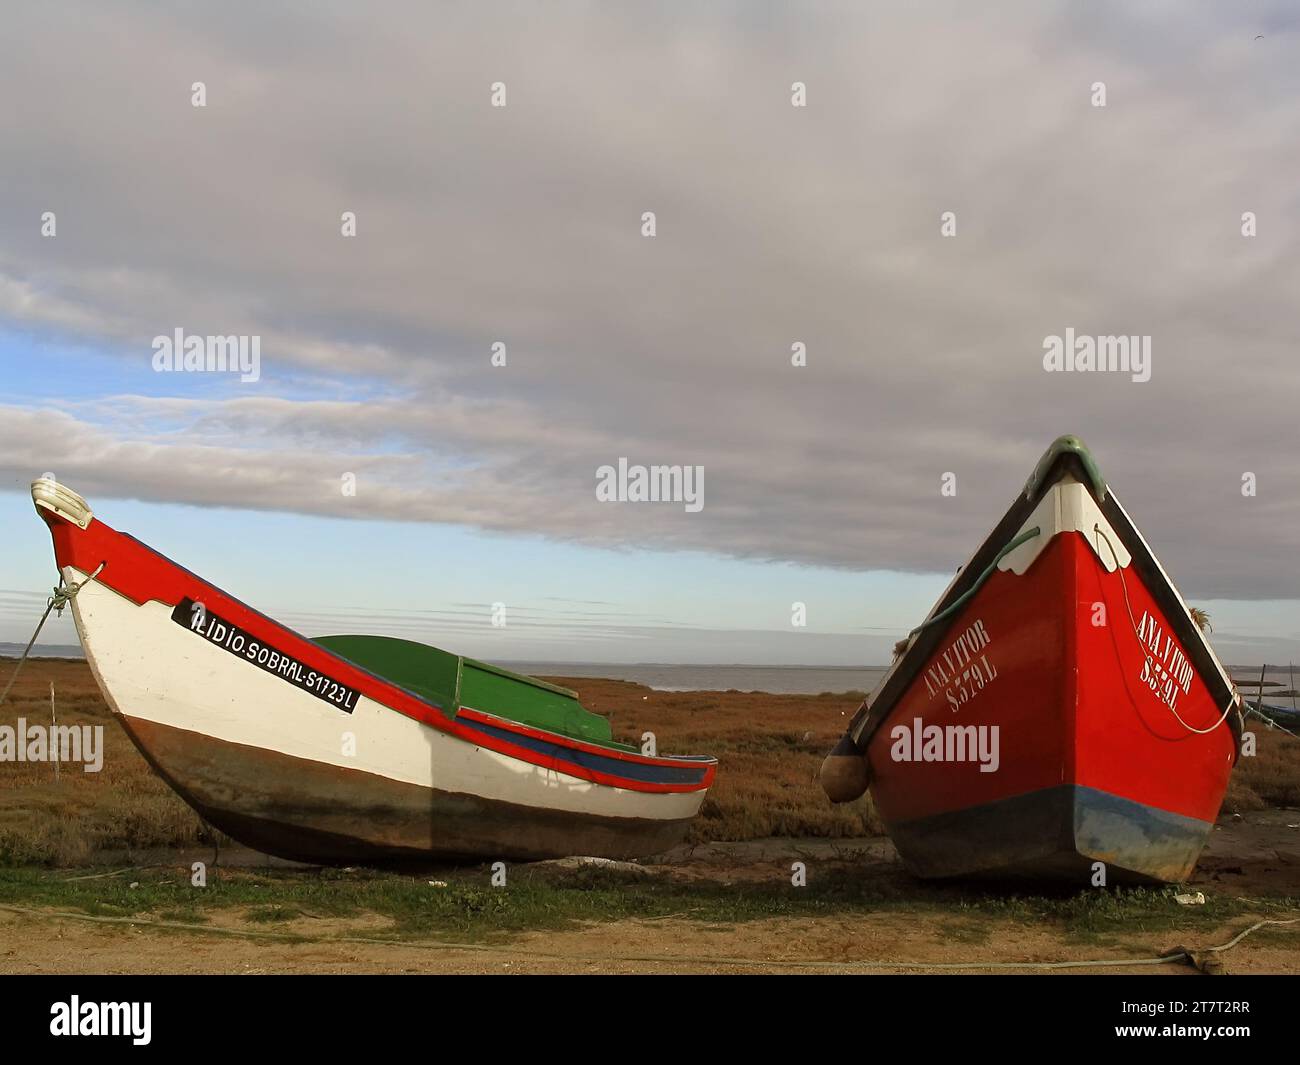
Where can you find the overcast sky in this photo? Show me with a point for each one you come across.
(775, 225)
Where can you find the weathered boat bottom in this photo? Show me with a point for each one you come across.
(309, 811)
(1057, 833)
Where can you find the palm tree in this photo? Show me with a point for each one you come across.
(1201, 617)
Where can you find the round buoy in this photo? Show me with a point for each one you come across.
(845, 773)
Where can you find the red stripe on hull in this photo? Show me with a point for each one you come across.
(142, 575)
(1066, 694)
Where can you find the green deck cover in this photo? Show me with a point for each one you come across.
(451, 682)
(428, 672)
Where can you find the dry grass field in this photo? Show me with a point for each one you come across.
(98, 866)
(769, 746)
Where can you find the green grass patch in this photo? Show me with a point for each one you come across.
(548, 898)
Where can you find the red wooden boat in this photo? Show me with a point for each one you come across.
(1059, 707)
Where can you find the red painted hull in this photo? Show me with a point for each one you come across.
(1083, 723)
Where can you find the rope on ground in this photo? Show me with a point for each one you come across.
(115, 872)
(1181, 954)
(62, 597)
(1245, 932)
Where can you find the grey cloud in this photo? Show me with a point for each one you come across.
(776, 225)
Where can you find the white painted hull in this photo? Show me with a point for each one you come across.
(163, 680)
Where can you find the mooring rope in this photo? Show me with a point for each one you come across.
(1269, 721)
(1128, 606)
(62, 597)
(965, 597)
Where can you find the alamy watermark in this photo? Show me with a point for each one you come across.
(634, 483)
(946, 743)
(1074, 353)
(74, 1017)
(53, 743)
(208, 354)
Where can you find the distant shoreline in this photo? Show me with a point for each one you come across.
(61, 651)
(14, 650)
(795, 679)
(74, 651)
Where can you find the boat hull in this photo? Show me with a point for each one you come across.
(290, 748)
(1058, 833)
(1075, 686)
(309, 811)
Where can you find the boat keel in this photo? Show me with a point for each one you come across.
(1057, 833)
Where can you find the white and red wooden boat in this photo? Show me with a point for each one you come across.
(1058, 708)
(351, 748)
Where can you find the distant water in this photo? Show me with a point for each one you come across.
(1280, 682)
(43, 650)
(779, 680)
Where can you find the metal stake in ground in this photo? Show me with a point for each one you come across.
(53, 733)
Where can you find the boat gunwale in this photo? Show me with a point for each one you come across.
(438, 721)
(903, 672)
(632, 755)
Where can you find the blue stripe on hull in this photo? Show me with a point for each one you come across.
(615, 767)
(1054, 834)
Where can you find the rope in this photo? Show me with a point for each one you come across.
(1181, 954)
(962, 599)
(1243, 934)
(1128, 606)
(62, 597)
(1268, 720)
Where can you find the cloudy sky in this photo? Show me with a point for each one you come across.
(522, 225)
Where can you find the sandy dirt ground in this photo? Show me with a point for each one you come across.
(50, 944)
(1258, 858)
(55, 946)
